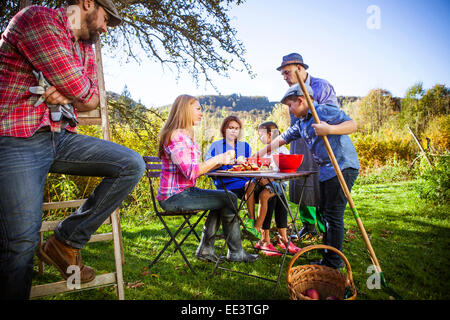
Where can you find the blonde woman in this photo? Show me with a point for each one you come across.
(181, 167)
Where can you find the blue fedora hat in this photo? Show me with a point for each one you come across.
(292, 58)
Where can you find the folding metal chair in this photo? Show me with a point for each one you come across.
(153, 171)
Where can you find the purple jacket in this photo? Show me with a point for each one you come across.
(323, 94)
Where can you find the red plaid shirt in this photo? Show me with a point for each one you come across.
(41, 39)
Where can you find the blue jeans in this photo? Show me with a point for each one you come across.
(203, 199)
(24, 165)
(331, 208)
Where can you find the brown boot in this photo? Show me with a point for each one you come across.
(62, 256)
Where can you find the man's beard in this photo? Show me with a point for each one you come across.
(94, 34)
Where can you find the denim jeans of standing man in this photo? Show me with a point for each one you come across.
(24, 165)
(332, 206)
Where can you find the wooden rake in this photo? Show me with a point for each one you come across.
(330, 152)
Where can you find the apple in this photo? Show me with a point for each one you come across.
(241, 159)
(312, 293)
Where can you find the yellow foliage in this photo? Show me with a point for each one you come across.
(372, 111)
(438, 131)
(280, 115)
(377, 149)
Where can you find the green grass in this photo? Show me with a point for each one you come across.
(411, 240)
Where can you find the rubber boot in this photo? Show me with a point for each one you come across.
(205, 250)
(236, 253)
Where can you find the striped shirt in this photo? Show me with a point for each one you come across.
(41, 39)
(180, 165)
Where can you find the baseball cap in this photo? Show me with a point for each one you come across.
(292, 58)
(110, 8)
(295, 90)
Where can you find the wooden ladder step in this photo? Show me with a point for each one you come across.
(51, 225)
(62, 204)
(48, 289)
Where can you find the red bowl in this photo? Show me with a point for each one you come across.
(259, 161)
(288, 162)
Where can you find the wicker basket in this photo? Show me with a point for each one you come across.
(327, 281)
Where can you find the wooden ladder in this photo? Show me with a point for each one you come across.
(95, 117)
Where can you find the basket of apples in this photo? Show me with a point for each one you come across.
(318, 282)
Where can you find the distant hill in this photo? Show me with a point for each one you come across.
(346, 99)
(238, 102)
(234, 102)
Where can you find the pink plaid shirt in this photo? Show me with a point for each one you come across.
(41, 39)
(180, 168)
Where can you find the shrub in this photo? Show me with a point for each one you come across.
(380, 148)
(375, 109)
(393, 170)
(438, 131)
(435, 181)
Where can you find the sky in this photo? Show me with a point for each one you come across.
(356, 45)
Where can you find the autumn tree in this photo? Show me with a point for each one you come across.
(420, 106)
(378, 107)
(191, 35)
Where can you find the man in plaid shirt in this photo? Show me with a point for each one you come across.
(57, 43)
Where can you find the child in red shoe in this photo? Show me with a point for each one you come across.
(264, 191)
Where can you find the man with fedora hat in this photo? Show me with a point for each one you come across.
(323, 94)
(56, 45)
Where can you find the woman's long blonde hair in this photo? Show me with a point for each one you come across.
(180, 117)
